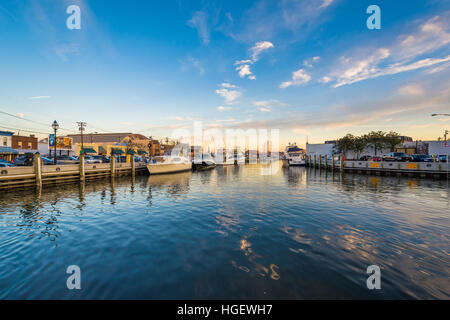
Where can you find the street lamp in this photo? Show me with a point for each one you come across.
(55, 127)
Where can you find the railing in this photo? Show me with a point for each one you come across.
(39, 174)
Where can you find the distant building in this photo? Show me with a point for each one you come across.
(24, 144)
(6, 150)
(405, 139)
(438, 147)
(111, 143)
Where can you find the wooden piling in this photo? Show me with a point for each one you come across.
(82, 172)
(38, 169)
(113, 165)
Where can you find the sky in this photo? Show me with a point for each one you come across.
(312, 69)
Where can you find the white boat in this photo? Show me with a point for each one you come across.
(168, 164)
(294, 156)
(226, 160)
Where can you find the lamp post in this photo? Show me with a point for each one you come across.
(55, 127)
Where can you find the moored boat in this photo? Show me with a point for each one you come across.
(206, 163)
(294, 156)
(168, 164)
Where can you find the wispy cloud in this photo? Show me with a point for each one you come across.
(64, 51)
(199, 21)
(309, 62)
(39, 97)
(229, 92)
(406, 54)
(299, 77)
(192, 63)
(412, 89)
(243, 66)
(222, 108)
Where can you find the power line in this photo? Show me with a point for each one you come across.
(32, 121)
(17, 129)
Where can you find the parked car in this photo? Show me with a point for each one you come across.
(442, 158)
(4, 161)
(98, 158)
(376, 158)
(46, 161)
(67, 160)
(19, 161)
(6, 165)
(421, 158)
(91, 159)
(396, 156)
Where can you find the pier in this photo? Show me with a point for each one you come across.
(38, 174)
(435, 170)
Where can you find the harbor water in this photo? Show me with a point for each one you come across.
(228, 233)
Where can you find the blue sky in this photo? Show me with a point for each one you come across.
(308, 68)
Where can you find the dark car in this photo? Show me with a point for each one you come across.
(396, 156)
(421, 158)
(6, 165)
(19, 161)
(442, 158)
(365, 158)
(67, 160)
(47, 161)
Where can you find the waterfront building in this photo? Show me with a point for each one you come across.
(112, 143)
(24, 144)
(6, 150)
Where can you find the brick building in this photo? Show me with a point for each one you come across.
(24, 144)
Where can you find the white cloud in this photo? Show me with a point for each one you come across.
(298, 77)
(264, 109)
(309, 62)
(190, 63)
(243, 66)
(244, 70)
(229, 93)
(39, 97)
(228, 85)
(325, 79)
(258, 48)
(200, 22)
(326, 3)
(410, 90)
(406, 54)
(222, 108)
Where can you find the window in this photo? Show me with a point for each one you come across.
(29, 145)
(19, 143)
(5, 141)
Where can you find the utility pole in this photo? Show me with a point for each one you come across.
(81, 127)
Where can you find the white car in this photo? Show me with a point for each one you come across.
(91, 159)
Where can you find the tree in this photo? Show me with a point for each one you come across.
(392, 140)
(345, 144)
(377, 140)
(359, 144)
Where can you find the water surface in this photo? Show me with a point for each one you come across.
(228, 233)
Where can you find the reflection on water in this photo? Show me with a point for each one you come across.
(228, 233)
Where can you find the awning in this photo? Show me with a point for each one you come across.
(131, 152)
(142, 152)
(8, 150)
(116, 151)
(101, 149)
(88, 151)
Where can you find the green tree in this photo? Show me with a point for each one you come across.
(345, 144)
(377, 140)
(392, 140)
(359, 144)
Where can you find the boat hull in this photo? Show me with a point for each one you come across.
(168, 168)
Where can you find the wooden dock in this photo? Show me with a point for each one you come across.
(38, 174)
(435, 170)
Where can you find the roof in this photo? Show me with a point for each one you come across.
(88, 150)
(6, 133)
(100, 137)
(8, 150)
